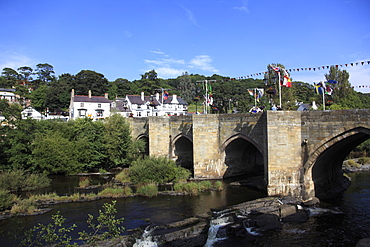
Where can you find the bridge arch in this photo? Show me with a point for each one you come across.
(242, 156)
(182, 152)
(145, 139)
(323, 168)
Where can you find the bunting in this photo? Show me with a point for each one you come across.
(305, 69)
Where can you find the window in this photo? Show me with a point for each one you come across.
(99, 113)
(81, 104)
(99, 105)
(82, 112)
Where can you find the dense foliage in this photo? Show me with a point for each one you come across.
(156, 170)
(57, 147)
(48, 91)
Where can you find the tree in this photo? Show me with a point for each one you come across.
(118, 143)
(45, 72)
(10, 76)
(87, 80)
(25, 73)
(58, 94)
(186, 87)
(38, 98)
(343, 94)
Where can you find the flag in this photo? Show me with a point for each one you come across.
(319, 89)
(332, 82)
(251, 93)
(165, 97)
(277, 69)
(260, 92)
(328, 89)
(286, 80)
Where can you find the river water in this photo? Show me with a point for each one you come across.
(322, 229)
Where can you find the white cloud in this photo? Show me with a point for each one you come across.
(169, 72)
(167, 67)
(244, 7)
(190, 16)
(203, 62)
(14, 60)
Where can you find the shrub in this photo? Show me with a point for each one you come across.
(191, 188)
(364, 160)
(123, 176)
(6, 199)
(84, 182)
(157, 170)
(148, 190)
(179, 187)
(18, 180)
(116, 192)
(218, 186)
(25, 206)
(350, 163)
(205, 185)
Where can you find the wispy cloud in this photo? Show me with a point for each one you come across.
(203, 62)
(244, 7)
(14, 60)
(190, 16)
(167, 67)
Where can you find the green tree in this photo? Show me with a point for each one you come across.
(87, 80)
(45, 72)
(186, 87)
(25, 74)
(343, 94)
(118, 143)
(58, 94)
(38, 98)
(10, 76)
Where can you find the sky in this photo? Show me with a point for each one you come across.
(235, 38)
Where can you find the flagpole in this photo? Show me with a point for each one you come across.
(255, 97)
(279, 89)
(323, 97)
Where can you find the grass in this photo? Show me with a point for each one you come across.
(148, 190)
(116, 192)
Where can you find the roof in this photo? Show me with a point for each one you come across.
(119, 105)
(7, 90)
(136, 99)
(93, 99)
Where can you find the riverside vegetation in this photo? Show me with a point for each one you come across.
(140, 179)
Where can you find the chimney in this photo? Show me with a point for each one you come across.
(157, 96)
(142, 96)
(106, 95)
(174, 99)
(90, 94)
(72, 93)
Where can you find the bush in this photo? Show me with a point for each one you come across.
(364, 160)
(6, 199)
(204, 185)
(116, 192)
(148, 190)
(157, 170)
(218, 186)
(179, 187)
(123, 176)
(191, 188)
(84, 182)
(19, 180)
(25, 206)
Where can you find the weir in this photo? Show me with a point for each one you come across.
(297, 153)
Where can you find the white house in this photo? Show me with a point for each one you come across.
(30, 112)
(144, 106)
(94, 107)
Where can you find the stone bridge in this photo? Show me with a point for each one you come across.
(292, 152)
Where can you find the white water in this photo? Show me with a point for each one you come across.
(213, 229)
(146, 239)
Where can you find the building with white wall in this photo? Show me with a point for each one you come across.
(94, 107)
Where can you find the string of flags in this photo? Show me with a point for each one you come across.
(307, 69)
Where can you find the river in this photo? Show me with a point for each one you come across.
(320, 230)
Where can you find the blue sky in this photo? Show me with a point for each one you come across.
(236, 38)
